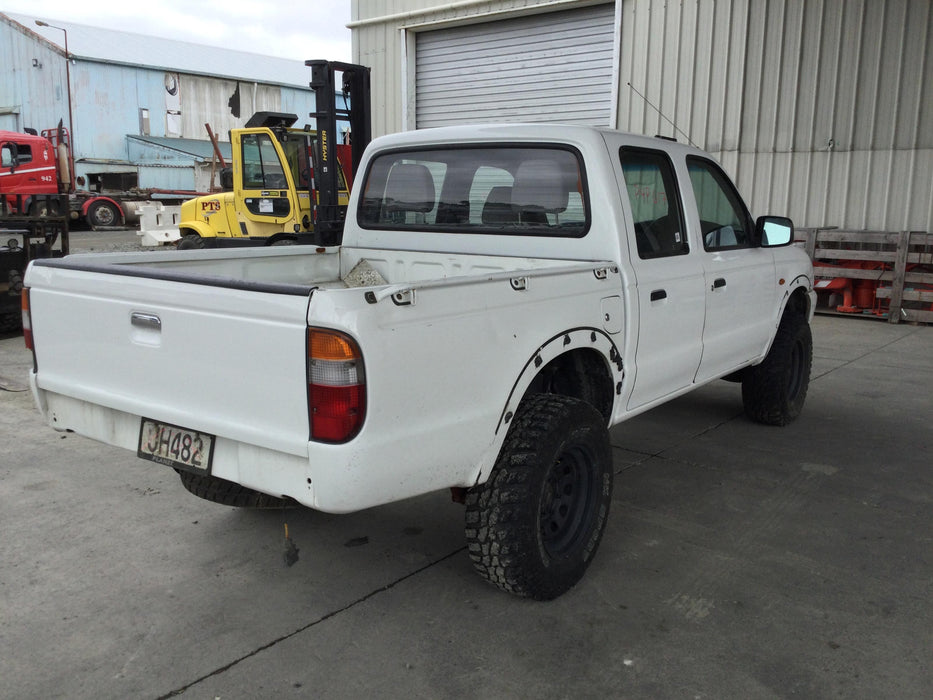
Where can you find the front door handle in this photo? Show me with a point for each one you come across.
(718, 283)
(658, 294)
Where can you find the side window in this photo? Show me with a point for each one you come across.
(23, 154)
(261, 166)
(724, 220)
(655, 201)
(6, 155)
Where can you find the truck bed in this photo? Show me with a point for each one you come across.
(215, 341)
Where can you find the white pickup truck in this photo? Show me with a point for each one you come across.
(503, 295)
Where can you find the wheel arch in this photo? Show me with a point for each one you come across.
(90, 202)
(196, 227)
(583, 363)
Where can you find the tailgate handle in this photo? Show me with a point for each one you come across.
(142, 320)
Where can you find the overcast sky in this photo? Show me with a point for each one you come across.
(300, 30)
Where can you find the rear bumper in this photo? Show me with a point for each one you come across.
(262, 469)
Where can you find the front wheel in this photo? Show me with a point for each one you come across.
(191, 241)
(533, 528)
(774, 392)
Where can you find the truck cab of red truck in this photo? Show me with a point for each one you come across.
(28, 166)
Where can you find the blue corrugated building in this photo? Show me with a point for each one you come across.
(139, 104)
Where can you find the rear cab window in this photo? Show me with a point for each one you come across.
(512, 190)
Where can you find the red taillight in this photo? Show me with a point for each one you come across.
(336, 386)
(27, 320)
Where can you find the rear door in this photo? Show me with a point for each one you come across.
(669, 278)
(740, 277)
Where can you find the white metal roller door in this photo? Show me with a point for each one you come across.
(554, 67)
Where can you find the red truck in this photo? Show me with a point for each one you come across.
(33, 164)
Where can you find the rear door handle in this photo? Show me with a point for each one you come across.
(719, 283)
(658, 294)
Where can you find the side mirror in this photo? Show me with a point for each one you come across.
(774, 231)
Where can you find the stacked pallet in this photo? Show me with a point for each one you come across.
(881, 274)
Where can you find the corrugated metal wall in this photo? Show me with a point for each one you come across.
(32, 90)
(107, 97)
(822, 109)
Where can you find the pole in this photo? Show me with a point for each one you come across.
(71, 125)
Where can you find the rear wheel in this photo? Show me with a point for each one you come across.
(102, 213)
(228, 493)
(533, 528)
(774, 391)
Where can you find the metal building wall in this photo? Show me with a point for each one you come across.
(384, 38)
(107, 97)
(32, 94)
(822, 109)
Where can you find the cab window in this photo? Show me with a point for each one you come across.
(655, 201)
(15, 154)
(261, 166)
(520, 190)
(724, 220)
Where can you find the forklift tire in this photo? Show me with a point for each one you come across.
(191, 241)
(102, 214)
(228, 493)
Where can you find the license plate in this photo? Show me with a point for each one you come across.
(175, 446)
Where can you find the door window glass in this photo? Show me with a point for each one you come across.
(724, 220)
(261, 166)
(655, 201)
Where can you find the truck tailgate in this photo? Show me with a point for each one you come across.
(225, 361)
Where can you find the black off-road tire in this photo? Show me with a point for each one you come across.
(211, 488)
(191, 241)
(774, 391)
(533, 528)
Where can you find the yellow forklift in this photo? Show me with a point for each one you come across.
(287, 185)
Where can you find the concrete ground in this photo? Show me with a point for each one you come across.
(740, 561)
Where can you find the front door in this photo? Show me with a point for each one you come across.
(740, 276)
(264, 191)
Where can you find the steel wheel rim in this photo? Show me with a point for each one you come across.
(566, 501)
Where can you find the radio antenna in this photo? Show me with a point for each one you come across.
(648, 102)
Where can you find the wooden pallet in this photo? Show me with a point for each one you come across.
(893, 251)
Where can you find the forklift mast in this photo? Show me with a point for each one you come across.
(328, 216)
